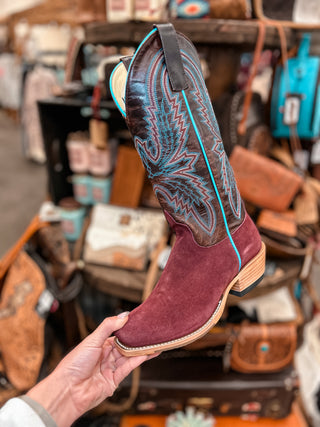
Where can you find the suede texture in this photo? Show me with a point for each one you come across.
(247, 240)
(190, 286)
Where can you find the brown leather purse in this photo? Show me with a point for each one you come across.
(259, 348)
(21, 317)
(230, 9)
(282, 223)
(264, 182)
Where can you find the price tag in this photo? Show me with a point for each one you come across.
(291, 110)
(315, 153)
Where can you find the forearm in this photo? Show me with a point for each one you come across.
(54, 396)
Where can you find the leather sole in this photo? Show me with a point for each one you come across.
(247, 278)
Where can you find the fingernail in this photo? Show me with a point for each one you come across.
(123, 314)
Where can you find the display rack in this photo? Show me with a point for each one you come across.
(200, 31)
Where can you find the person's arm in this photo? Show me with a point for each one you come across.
(23, 411)
(86, 376)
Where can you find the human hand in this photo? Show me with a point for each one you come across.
(86, 376)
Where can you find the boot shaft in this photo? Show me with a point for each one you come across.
(169, 113)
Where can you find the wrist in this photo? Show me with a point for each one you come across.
(53, 395)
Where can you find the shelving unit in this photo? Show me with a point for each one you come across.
(200, 31)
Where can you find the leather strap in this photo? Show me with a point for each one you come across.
(12, 254)
(172, 57)
(126, 60)
(242, 126)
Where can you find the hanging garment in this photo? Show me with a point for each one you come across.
(38, 86)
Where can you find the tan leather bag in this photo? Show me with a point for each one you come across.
(21, 322)
(259, 348)
(230, 9)
(21, 326)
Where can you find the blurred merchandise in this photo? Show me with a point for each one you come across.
(82, 188)
(10, 81)
(39, 85)
(99, 161)
(101, 189)
(78, 152)
(122, 237)
(72, 216)
(190, 9)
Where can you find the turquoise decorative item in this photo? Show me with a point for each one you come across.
(101, 189)
(82, 189)
(295, 102)
(264, 347)
(72, 217)
(190, 418)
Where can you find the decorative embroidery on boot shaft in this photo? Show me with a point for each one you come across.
(170, 165)
(207, 117)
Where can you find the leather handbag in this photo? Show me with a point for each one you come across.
(241, 115)
(278, 222)
(229, 110)
(263, 181)
(230, 9)
(280, 233)
(22, 317)
(262, 348)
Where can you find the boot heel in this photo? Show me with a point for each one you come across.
(251, 275)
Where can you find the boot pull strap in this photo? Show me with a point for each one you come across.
(172, 57)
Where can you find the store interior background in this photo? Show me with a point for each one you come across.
(23, 184)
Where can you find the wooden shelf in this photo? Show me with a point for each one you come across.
(200, 31)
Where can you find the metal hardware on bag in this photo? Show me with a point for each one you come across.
(4, 383)
(45, 303)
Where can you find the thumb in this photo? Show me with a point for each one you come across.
(105, 329)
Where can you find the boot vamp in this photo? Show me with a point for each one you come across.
(186, 295)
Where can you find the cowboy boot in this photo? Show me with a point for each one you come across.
(218, 250)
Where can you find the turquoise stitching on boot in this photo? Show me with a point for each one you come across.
(212, 177)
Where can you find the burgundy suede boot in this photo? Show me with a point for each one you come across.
(218, 250)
